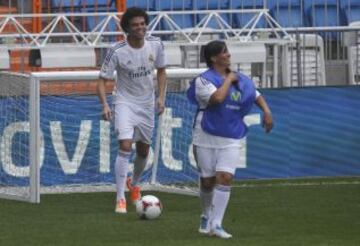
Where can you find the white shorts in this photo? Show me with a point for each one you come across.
(211, 160)
(134, 122)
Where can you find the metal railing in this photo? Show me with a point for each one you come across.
(61, 28)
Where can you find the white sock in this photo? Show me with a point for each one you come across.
(219, 204)
(206, 199)
(139, 166)
(121, 170)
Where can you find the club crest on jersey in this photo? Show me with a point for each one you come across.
(235, 96)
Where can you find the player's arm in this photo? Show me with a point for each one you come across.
(161, 78)
(267, 120)
(106, 74)
(220, 94)
(160, 64)
(101, 88)
(203, 91)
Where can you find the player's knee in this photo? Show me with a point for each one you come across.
(207, 184)
(125, 146)
(142, 153)
(142, 150)
(224, 178)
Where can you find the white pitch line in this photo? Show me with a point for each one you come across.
(325, 183)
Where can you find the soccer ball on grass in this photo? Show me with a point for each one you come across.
(149, 207)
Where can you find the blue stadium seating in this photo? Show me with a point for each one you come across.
(92, 21)
(66, 5)
(288, 13)
(351, 10)
(183, 20)
(148, 5)
(213, 5)
(83, 5)
(100, 6)
(173, 4)
(240, 20)
(324, 13)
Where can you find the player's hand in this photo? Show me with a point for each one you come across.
(160, 106)
(232, 77)
(106, 113)
(267, 122)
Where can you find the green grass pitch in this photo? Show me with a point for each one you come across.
(282, 212)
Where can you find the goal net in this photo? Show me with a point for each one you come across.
(17, 147)
(74, 150)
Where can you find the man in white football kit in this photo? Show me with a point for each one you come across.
(223, 98)
(134, 61)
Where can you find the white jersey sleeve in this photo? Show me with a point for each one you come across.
(160, 61)
(110, 62)
(257, 93)
(203, 89)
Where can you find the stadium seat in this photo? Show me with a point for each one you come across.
(325, 13)
(351, 10)
(182, 20)
(93, 21)
(288, 13)
(99, 6)
(148, 5)
(240, 20)
(213, 5)
(308, 60)
(66, 5)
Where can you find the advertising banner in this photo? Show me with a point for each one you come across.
(316, 133)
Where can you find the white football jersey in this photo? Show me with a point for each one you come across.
(134, 68)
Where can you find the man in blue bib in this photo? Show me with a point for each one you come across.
(223, 98)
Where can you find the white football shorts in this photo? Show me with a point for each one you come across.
(134, 122)
(212, 160)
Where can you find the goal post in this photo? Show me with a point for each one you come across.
(34, 119)
(60, 144)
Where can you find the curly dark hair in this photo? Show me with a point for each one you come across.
(131, 13)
